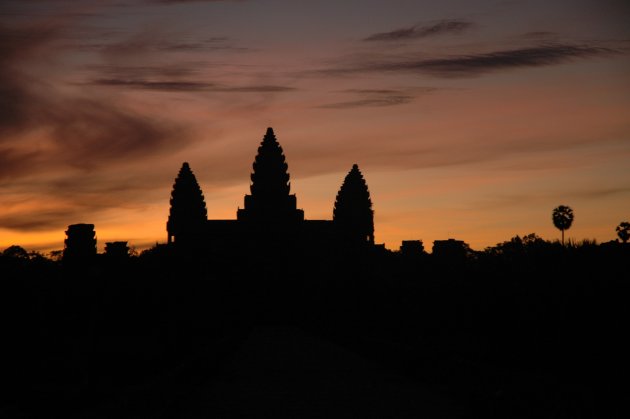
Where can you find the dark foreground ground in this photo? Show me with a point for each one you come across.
(531, 333)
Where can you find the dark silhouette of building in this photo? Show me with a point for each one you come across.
(80, 244)
(117, 250)
(270, 200)
(188, 208)
(412, 247)
(450, 250)
(270, 219)
(353, 212)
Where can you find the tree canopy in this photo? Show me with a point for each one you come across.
(623, 231)
(562, 217)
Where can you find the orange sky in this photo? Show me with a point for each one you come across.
(469, 120)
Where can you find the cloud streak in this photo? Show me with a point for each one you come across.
(154, 41)
(418, 32)
(189, 86)
(370, 98)
(172, 85)
(471, 65)
(390, 100)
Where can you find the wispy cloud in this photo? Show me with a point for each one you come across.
(178, 72)
(70, 196)
(181, 86)
(524, 57)
(82, 130)
(15, 162)
(156, 41)
(69, 154)
(190, 86)
(391, 100)
(369, 98)
(416, 32)
(142, 61)
(39, 220)
(477, 64)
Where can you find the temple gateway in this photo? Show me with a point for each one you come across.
(270, 218)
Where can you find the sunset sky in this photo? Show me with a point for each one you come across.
(469, 119)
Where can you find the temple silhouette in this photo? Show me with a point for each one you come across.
(274, 315)
(270, 219)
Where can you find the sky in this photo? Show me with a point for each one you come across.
(468, 119)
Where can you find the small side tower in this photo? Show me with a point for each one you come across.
(353, 215)
(188, 214)
(270, 200)
(80, 244)
(117, 250)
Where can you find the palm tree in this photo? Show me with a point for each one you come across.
(623, 231)
(562, 218)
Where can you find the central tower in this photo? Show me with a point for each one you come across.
(270, 200)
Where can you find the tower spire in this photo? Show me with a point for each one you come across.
(270, 179)
(270, 197)
(353, 212)
(188, 212)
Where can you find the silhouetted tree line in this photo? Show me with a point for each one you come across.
(526, 328)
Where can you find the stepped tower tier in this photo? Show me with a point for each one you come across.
(188, 214)
(270, 199)
(353, 214)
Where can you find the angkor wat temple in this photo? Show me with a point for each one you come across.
(270, 219)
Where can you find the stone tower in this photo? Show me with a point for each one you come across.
(270, 200)
(188, 213)
(80, 244)
(353, 215)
